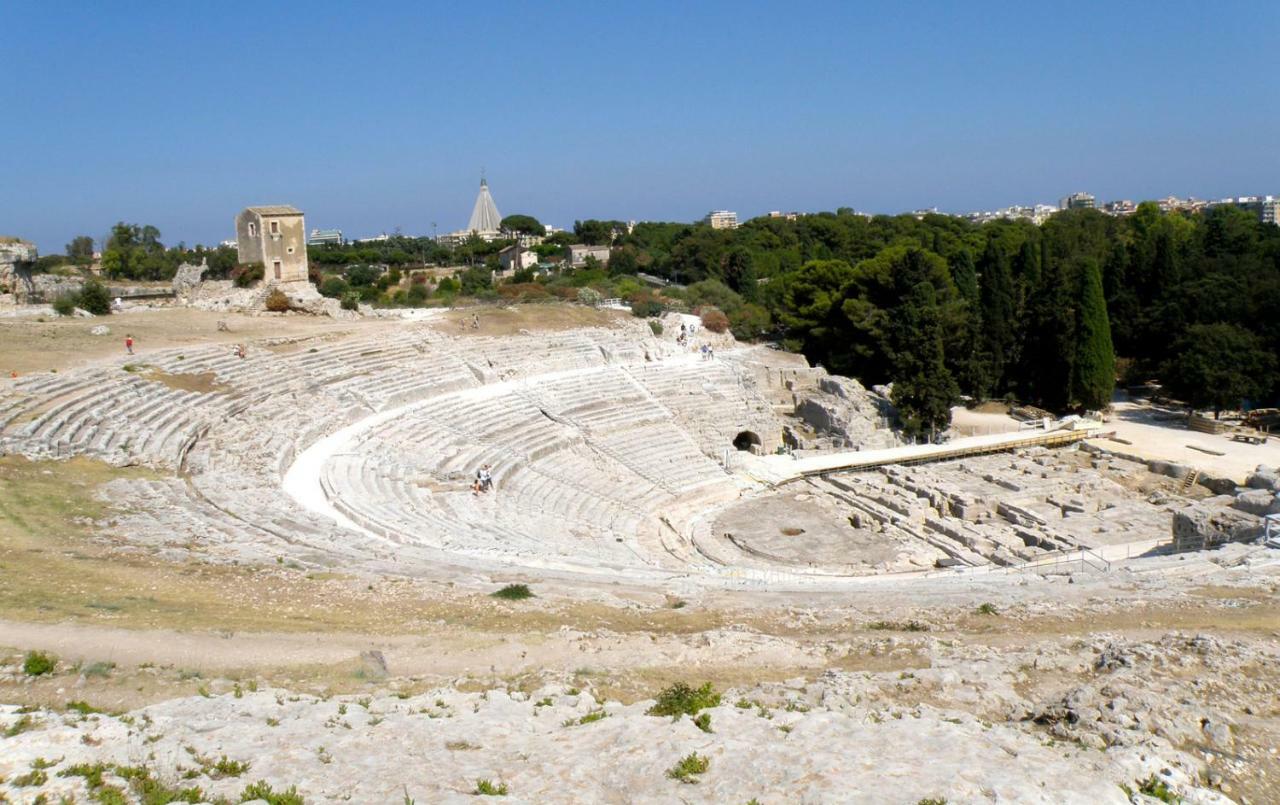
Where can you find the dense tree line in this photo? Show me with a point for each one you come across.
(1045, 314)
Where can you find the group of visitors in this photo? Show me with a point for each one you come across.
(483, 482)
(475, 322)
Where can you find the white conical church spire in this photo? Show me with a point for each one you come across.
(484, 215)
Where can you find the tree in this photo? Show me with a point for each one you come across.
(1049, 345)
(80, 249)
(95, 298)
(997, 304)
(1094, 375)
(1218, 365)
(524, 224)
(923, 388)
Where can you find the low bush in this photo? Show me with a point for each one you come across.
(277, 301)
(656, 327)
(681, 699)
(589, 296)
(350, 301)
(95, 298)
(898, 626)
(262, 790)
(514, 592)
(689, 767)
(334, 287)
(645, 304)
(247, 274)
(64, 304)
(38, 663)
(715, 321)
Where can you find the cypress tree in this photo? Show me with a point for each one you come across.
(997, 304)
(1048, 353)
(1094, 376)
(923, 388)
(971, 366)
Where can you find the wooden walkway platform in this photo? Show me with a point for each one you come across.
(782, 469)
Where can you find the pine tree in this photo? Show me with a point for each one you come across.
(1094, 375)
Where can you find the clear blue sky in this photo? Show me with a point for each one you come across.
(381, 115)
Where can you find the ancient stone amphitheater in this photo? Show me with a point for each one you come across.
(616, 455)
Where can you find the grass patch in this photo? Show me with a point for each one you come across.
(594, 715)
(487, 788)
(681, 699)
(898, 626)
(35, 777)
(262, 790)
(82, 707)
(514, 592)
(39, 663)
(20, 726)
(1153, 786)
(99, 669)
(225, 767)
(689, 767)
(987, 609)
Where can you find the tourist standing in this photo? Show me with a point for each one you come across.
(128, 343)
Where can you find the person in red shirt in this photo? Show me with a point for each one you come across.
(128, 343)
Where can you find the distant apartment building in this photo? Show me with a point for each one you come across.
(786, 216)
(1175, 204)
(578, 254)
(1120, 208)
(326, 237)
(274, 236)
(1078, 201)
(1267, 208)
(721, 219)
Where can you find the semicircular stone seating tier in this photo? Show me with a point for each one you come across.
(593, 437)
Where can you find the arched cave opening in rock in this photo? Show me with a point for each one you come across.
(746, 440)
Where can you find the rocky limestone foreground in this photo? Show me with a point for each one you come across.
(1095, 722)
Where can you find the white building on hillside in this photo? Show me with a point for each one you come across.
(721, 219)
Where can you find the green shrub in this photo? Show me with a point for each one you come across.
(417, 295)
(334, 287)
(91, 772)
(645, 304)
(485, 788)
(225, 767)
(1153, 786)
(514, 592)
(689, 767)
(680, 699)
(703, 722)
(589, 718)
(656, 327)
(82, 707)
(589, 296)
(64, 304)
(351, 300)
(94, 298)
(38, 663)
(262, 790)
(988, 609)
